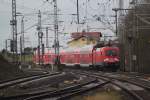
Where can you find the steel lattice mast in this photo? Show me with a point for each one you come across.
(40, 36)
(56, 41)
(13, 23)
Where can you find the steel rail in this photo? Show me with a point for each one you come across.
(81, 91)
(63, 91)
(25, 79)
(127, 80)
(112, 81)
(47, 93)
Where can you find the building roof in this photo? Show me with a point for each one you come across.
(94, 35)
(75, 39)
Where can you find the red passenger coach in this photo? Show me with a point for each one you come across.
(69, 58)
(102, 58)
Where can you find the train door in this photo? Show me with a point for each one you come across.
(93, 57)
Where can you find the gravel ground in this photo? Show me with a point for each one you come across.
(46, 84)
(105, 93)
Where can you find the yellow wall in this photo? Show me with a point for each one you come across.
(81, 42)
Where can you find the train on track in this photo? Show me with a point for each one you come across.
(102, 58)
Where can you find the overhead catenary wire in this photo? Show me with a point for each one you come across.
(43, 4)
(105, 20)
(18, 5)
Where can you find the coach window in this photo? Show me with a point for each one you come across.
(101, 52)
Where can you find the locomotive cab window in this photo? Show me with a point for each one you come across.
(111, 53)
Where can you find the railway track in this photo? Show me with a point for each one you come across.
(39, 93)
(60, 94)
(136, 89)
(82, 90)
(9, 83)
(133, 87)
(132, 80)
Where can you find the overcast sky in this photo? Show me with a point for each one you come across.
(89, 9)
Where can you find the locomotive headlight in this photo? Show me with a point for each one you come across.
(106, 60)
(116, 59)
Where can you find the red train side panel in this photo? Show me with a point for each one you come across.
(104, 57)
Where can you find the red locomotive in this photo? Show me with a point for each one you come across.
(103, 58)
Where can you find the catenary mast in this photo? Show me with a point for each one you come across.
(56, 41)
(13, 23)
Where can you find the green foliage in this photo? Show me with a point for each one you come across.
(28, 50)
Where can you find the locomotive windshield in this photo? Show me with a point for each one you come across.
(111, 53)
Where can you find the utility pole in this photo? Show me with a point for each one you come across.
(116, 16)
(21, 50)
(13, 23)
(56, 41)
(6, 47)
(87, 16)
(121, 5)
(134, 66)
(47, 45)
(40, 36)
(22, 41)
(78, 21)
(116, 19)
(6, 44)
